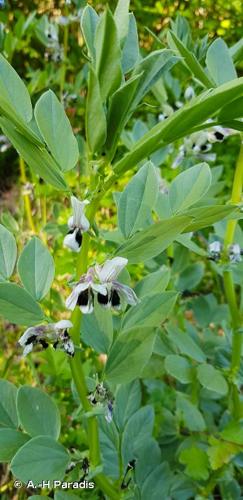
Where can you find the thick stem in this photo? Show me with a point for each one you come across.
(230, 289)
(26, 197)
(78, 373)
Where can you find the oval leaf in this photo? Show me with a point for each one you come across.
(41, 457)
(14, 96)
(37, 412)
(56, 130)
(10, 441)
(137, 200)
(17, 305)
(212, 379)
(36, 268)
(189, 187)
(8, 253)
(8, 409)
(129, 354)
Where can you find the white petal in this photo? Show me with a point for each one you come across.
(70, 242)
(189, 93)
(87, 309)
(111, 269)
(26, 335)
(99, 288)
(79, 219)
(70, 222)
(127, 292)
(63, 324)
(73, 297)
(28, 348)
(68, 347)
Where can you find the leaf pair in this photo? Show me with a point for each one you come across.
(36, 270)
(29, 137)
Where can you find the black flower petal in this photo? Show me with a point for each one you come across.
(115, 298)
(102, 299)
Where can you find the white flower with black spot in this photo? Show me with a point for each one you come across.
(78, 224)
(101, 281)
(116, 292)
(84, 291)
(43, 335)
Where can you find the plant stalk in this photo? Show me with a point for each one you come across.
(78, 373)
(230, 291)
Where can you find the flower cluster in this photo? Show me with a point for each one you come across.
(102, 397)
(44, 335)
(100, 282)
(234, 252)
(199, 145)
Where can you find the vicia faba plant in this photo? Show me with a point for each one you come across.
(158, 390)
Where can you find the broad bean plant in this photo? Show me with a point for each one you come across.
(151, 366)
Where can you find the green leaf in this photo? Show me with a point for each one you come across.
(10, 441)
(190, 277)
(63, 495)
(148, 448)
(179, 367)
(108, 55)
(36, 268)
(138, 429)
(219, 62)
(130, 52)
(186, 344)
(186, 241)
(121, 17)
(233, 432)
(190, 60)
(56, 130)
(189, 187)
(153, 240)
(191, 416)
(152, 68)
(17, 305)
(232, 110)
(38, 159)
(89, 21)
(159, 482)
(95, 114)
(8, 253)
(137, 200)
(119, 112)
(212, 379)
(207, 216)
(40, 457)
(129, 354)
(109, 444)
(151, 311)
(38, 414)
(14, 96)
(128, 400)
(220, 453)
(153, 282)
(180, 122)
(196, 462)
(97, 329)
(8, 410)
(9, 222)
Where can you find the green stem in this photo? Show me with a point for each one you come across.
(230, 291)
(78, 373)
(26, 197)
